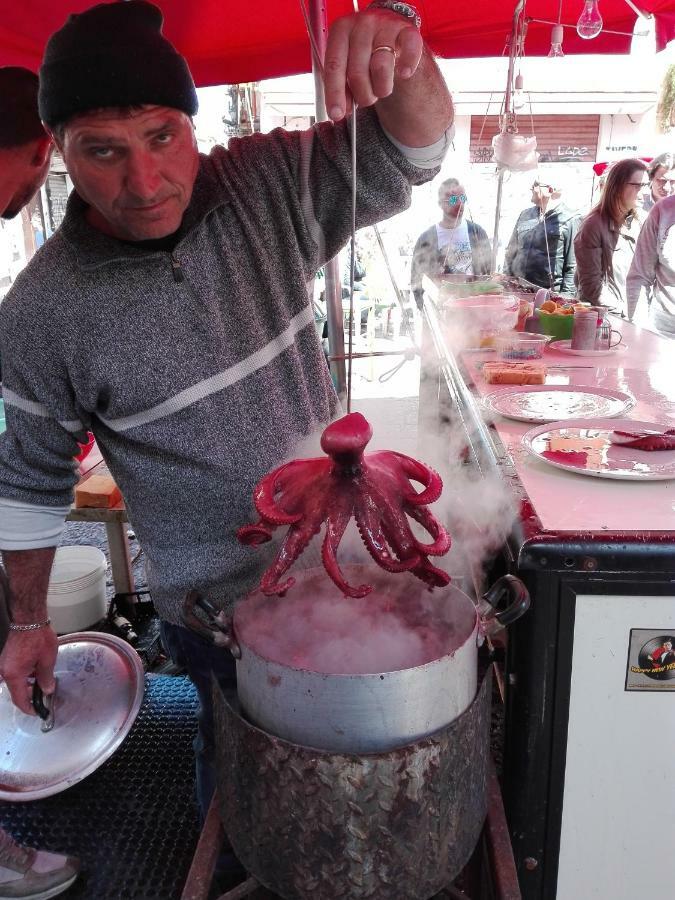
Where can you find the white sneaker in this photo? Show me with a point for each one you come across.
(28, 874)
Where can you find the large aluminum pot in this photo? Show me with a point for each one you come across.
(375, 710)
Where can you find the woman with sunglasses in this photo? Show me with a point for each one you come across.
(605, 243)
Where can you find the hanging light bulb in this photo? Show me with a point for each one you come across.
(556, 42)
(590, 20)
(518, 92)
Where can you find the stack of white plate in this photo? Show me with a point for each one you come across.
(76, 597)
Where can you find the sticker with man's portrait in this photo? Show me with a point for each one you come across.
(651, 660)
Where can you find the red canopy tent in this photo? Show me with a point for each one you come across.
(233, 43)
(228, 43)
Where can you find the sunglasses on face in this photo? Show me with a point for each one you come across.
(538, 185)
(454, 199)
(639, 184)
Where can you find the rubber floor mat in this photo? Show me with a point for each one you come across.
(133, 822)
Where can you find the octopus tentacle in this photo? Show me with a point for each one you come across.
(397, 530)
(297, 538)
(372, 535)
(427, 520)
(430, 574)
(335, 527)
(417, 471)
(255, 535)
(268, 487)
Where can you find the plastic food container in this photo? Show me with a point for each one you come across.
(76, 597)
(482, 317)
(557, 326)
(521, 345)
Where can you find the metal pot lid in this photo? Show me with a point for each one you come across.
(100, 684)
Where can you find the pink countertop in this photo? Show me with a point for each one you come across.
(567, 501)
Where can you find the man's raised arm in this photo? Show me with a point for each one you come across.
(379, 54)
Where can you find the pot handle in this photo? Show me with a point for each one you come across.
(493, 620)
(43, 705)
(218, 627)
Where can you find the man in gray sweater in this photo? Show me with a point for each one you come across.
(170, 313)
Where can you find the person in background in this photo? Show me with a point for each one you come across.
(25, 147)
(661, 180)
(541, 248)
(454, 246)
(650, 284)
(198, 266)
(605, 243)
(25, 152)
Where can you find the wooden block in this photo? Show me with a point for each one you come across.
(99, 492)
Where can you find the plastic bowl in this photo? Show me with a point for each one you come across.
(488, 314)
(557, 326)
(521, 345)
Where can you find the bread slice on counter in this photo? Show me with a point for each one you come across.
(500, 372)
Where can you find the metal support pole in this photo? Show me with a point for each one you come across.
(333, 285)
(513, 51)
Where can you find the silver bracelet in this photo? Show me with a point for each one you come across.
(32, 627)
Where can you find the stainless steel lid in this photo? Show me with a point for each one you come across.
(100, 683)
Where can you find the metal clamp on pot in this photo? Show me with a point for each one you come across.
(492, 620)
(217, 629)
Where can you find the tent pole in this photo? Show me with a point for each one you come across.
(513, 52)
(333, 284)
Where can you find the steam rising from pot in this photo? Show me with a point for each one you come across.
(315, 628)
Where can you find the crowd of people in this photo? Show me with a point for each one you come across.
(619, 255)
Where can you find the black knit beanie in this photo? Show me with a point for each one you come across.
(112, 55)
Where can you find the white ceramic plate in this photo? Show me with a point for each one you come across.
(584, 446)
(566, 347)
(553, 402)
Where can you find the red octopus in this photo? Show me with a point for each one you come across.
(646, 441)
(375, 489)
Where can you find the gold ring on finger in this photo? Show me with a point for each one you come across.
(384, 47)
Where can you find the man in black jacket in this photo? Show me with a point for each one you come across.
(454, 246)
(541, 248)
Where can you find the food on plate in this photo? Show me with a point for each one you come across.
(557, 309)
(514, 372)
(645, 440)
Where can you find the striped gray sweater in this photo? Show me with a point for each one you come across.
(197, 371)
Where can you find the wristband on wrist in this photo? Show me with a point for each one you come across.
(13, 626)
(402, 9)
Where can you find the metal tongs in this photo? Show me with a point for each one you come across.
(43, 704)
(218, 627)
